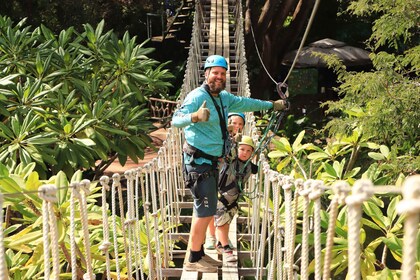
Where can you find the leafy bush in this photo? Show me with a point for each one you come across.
(74, 101)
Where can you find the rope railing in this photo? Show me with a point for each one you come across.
(142, 215)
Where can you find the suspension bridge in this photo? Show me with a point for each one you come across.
(278, 234)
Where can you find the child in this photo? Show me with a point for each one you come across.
(236, 122)
(232, 177)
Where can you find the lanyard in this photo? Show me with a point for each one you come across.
(222, 119)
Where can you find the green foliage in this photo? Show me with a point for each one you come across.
(350, 158)
(384, 102)
(74, 101)
(23, 235)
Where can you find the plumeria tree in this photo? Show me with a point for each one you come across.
(74, 101)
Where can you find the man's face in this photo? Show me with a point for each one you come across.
(216, 79)
(244, 152)
(237, 122)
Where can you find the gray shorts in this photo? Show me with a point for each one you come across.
(224, 216)
(205, 191)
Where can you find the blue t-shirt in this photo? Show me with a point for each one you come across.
(207, 136)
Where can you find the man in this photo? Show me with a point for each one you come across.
(203, 117)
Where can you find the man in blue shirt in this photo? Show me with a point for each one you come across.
(203, 116)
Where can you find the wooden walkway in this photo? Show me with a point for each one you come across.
(218, 43)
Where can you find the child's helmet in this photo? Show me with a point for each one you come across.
(246, 140)
(215, 60)
(242, 115)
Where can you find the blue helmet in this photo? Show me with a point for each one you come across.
(215, 60)
(242, 115)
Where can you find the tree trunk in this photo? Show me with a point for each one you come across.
(276, 30)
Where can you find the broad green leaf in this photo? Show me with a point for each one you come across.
(298, 140)
(318, 156)
(285, 162)
(8, 185)
(395, 245)
(62, 184)
(33, 183)
(391, 210)
(277, 154)
(384, 151)
(376, 156)
(330, 170)
(375, 213)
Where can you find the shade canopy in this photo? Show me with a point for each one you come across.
(350, 56)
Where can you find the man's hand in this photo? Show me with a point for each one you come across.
(202, 114)
(279, 105)
(230, 128)
(238, 137)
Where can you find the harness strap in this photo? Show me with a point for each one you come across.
(226, 203)
(193, 152)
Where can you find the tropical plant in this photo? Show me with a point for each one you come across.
(384, 102)
(349, 158)
(74, 101)
(23, 234)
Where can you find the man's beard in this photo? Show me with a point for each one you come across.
(216, 88)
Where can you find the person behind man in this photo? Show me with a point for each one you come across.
(203, 118)
(231, 181)
(236, 123)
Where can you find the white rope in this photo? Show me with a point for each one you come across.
(360, 194)
(83, 191)
(264, 222)
(155, 218)
(339, 188)
(276, 226)
(315, 195)
(45, 230)
(304, 192)
(104, 247)
(124, 234)
(298, 183)
(287, 187)
(130, 223)
(72, 232)
(48, 193)
(3, 269)
(410, 206)
(163, 203)
(139, 251)
(146, 206)
(115, 182)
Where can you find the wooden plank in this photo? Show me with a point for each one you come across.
(230, 269)
(219, 27)
(188, 275)
(226, 43)
(211, 276)
(212, 35)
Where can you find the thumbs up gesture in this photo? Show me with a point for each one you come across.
(202, 114)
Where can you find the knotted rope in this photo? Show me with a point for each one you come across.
(104, 247)
(130, 223)
(315, 195)
(82, 190)
(289, 239)
(361, 192)
(340, 189)
(410, 206)
(48, 194)
(115, 183)
(304, 192)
